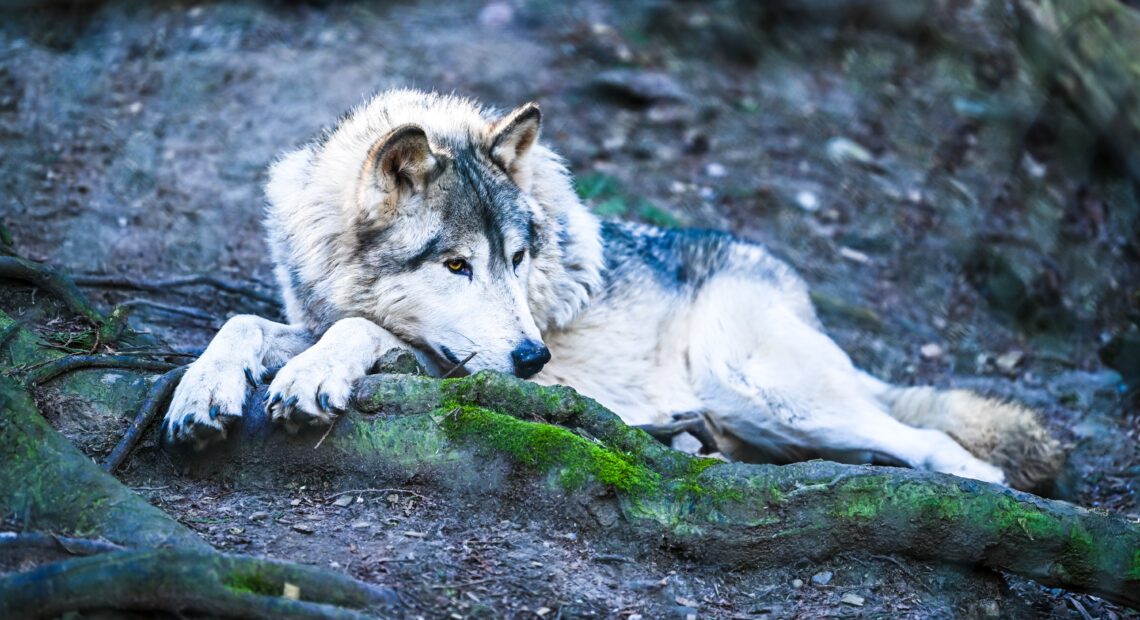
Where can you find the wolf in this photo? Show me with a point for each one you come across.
(431, 223)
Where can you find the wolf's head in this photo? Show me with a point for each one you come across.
(455, 235)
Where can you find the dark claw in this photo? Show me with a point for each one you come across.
(249, 377)
(323, 401)
(268, 375)
(214, 409)
(187, 419)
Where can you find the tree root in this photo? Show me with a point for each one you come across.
(178, 581)
(50, 370)
(158, 395)
(763, 514)
(51, 542)
(53, 281)
(48, 484)
(163, 285)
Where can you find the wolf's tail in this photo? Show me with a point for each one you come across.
(1003, 433)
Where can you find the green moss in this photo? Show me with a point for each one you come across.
(1133, 573)
(546, 447)
(1080, 555)
(252, 582)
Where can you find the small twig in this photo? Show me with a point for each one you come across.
(355, 491)
(465, 584)
(55, 368)
(158, 395)
(327, 432)
(459, 365)
(164, 284)
(53, 281)
(53, 542)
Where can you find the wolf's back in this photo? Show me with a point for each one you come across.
(1006, 434)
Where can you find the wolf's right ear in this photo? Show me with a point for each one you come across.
(399, 164)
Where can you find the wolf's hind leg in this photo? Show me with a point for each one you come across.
(210, 396)
(770, 380)
(317, 384)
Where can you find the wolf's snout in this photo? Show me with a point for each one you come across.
(529, 358)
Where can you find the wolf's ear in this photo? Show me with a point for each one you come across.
(400, 163)
(513, 135)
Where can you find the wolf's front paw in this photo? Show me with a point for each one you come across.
(311, 390)
(207, 403)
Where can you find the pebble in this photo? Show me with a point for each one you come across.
(716, 170)
(1007, 362)
(797, 583)
(931, 351)
(852, 599)
(844, 150)
(259, 515)
(302, 528)
(807, 201)
(360, 525)
(822, 578)
(343, 500)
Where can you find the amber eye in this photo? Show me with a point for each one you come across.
(517, 258)
(458, 266)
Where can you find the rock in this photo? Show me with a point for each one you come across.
(822, 578)
(260, 515)
(343, 501)
(716, 170)
(686, 602)
(852, 599)
(797, 583)
(495, 15)
(302, 528)
(360, 525)
(640, 87)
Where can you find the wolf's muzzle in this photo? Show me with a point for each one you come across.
(529, 358)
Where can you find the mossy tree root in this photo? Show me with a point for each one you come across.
(181, 581)
(760, 514)
(46, 482)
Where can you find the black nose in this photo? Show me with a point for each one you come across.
(529, 358)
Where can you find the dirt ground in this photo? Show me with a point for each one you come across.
(958, 225)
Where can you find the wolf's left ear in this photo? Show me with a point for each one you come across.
(513, 135)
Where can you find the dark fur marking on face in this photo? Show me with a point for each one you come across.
(430, 250)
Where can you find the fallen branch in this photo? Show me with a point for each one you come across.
(162, 285)
(151, 406)
(179, 581)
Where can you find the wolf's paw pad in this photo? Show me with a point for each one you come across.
(207, 403)
(311, 390)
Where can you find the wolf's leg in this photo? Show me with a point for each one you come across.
(768, 378)
(210, 396)
(317, 384)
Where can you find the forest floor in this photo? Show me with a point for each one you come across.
(957, 225)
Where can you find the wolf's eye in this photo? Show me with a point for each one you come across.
(458, 266)
(517, 258)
